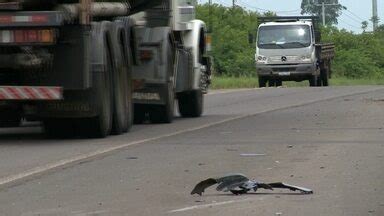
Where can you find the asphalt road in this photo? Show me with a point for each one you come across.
(326, 139)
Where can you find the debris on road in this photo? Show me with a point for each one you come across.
(240, 184)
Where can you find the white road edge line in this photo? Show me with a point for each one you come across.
(40, 170)
(224, 91)
(195, 207)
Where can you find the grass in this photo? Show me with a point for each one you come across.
(220, 82)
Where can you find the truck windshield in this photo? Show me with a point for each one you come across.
(284, 37)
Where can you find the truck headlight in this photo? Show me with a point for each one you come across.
(261, 59)
(306, 58)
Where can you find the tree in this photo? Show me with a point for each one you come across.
(233, 54)
(364, 25)
(380, 28)
(332, 12)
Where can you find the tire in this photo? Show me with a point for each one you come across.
(271, 82)
(262, 82)
(191, 104)
(319, 82)
(164, 113)
(313, 81)
(121, 86)
(99, 96)
(100, 126)
(325, 77)
(278, 83)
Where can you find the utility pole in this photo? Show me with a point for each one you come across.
(233, 3)
(323, 7)
(210, 17)
(375, 18)
(208, 38)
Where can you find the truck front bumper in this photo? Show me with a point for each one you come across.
(287, 72)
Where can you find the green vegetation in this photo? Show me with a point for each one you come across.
(359, 57)
(233, 54)
(224, 82)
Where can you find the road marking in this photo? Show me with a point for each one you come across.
(223, 91)
(40, 170)
(210, 205)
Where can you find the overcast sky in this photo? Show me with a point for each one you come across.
(358, 10)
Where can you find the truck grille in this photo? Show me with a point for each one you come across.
(278, 59)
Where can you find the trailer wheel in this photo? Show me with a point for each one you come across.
(191, 103)
(262, 82)
(121, 87)
(164, 113)
(101, 125)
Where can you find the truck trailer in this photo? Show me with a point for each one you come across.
(89, 69)
(290, 49)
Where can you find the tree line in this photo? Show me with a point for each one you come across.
(357, 55)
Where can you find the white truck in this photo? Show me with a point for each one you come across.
(289, 49)
(81, 66)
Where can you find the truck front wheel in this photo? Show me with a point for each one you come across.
(313, 81)
(262, 82)
(191, 103)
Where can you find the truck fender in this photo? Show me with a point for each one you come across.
(195, 39)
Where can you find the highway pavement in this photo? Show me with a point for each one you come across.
(326, 139)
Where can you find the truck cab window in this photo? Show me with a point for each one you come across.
(284, 36)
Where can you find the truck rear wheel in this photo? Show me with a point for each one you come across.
(121, 79)
(101, 125)
(325, 77)
(191, 103)
(164, 113)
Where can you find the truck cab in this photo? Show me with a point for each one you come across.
(286, 51)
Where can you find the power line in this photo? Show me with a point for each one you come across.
(353, 19)
(350, 25)
(355, 15)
